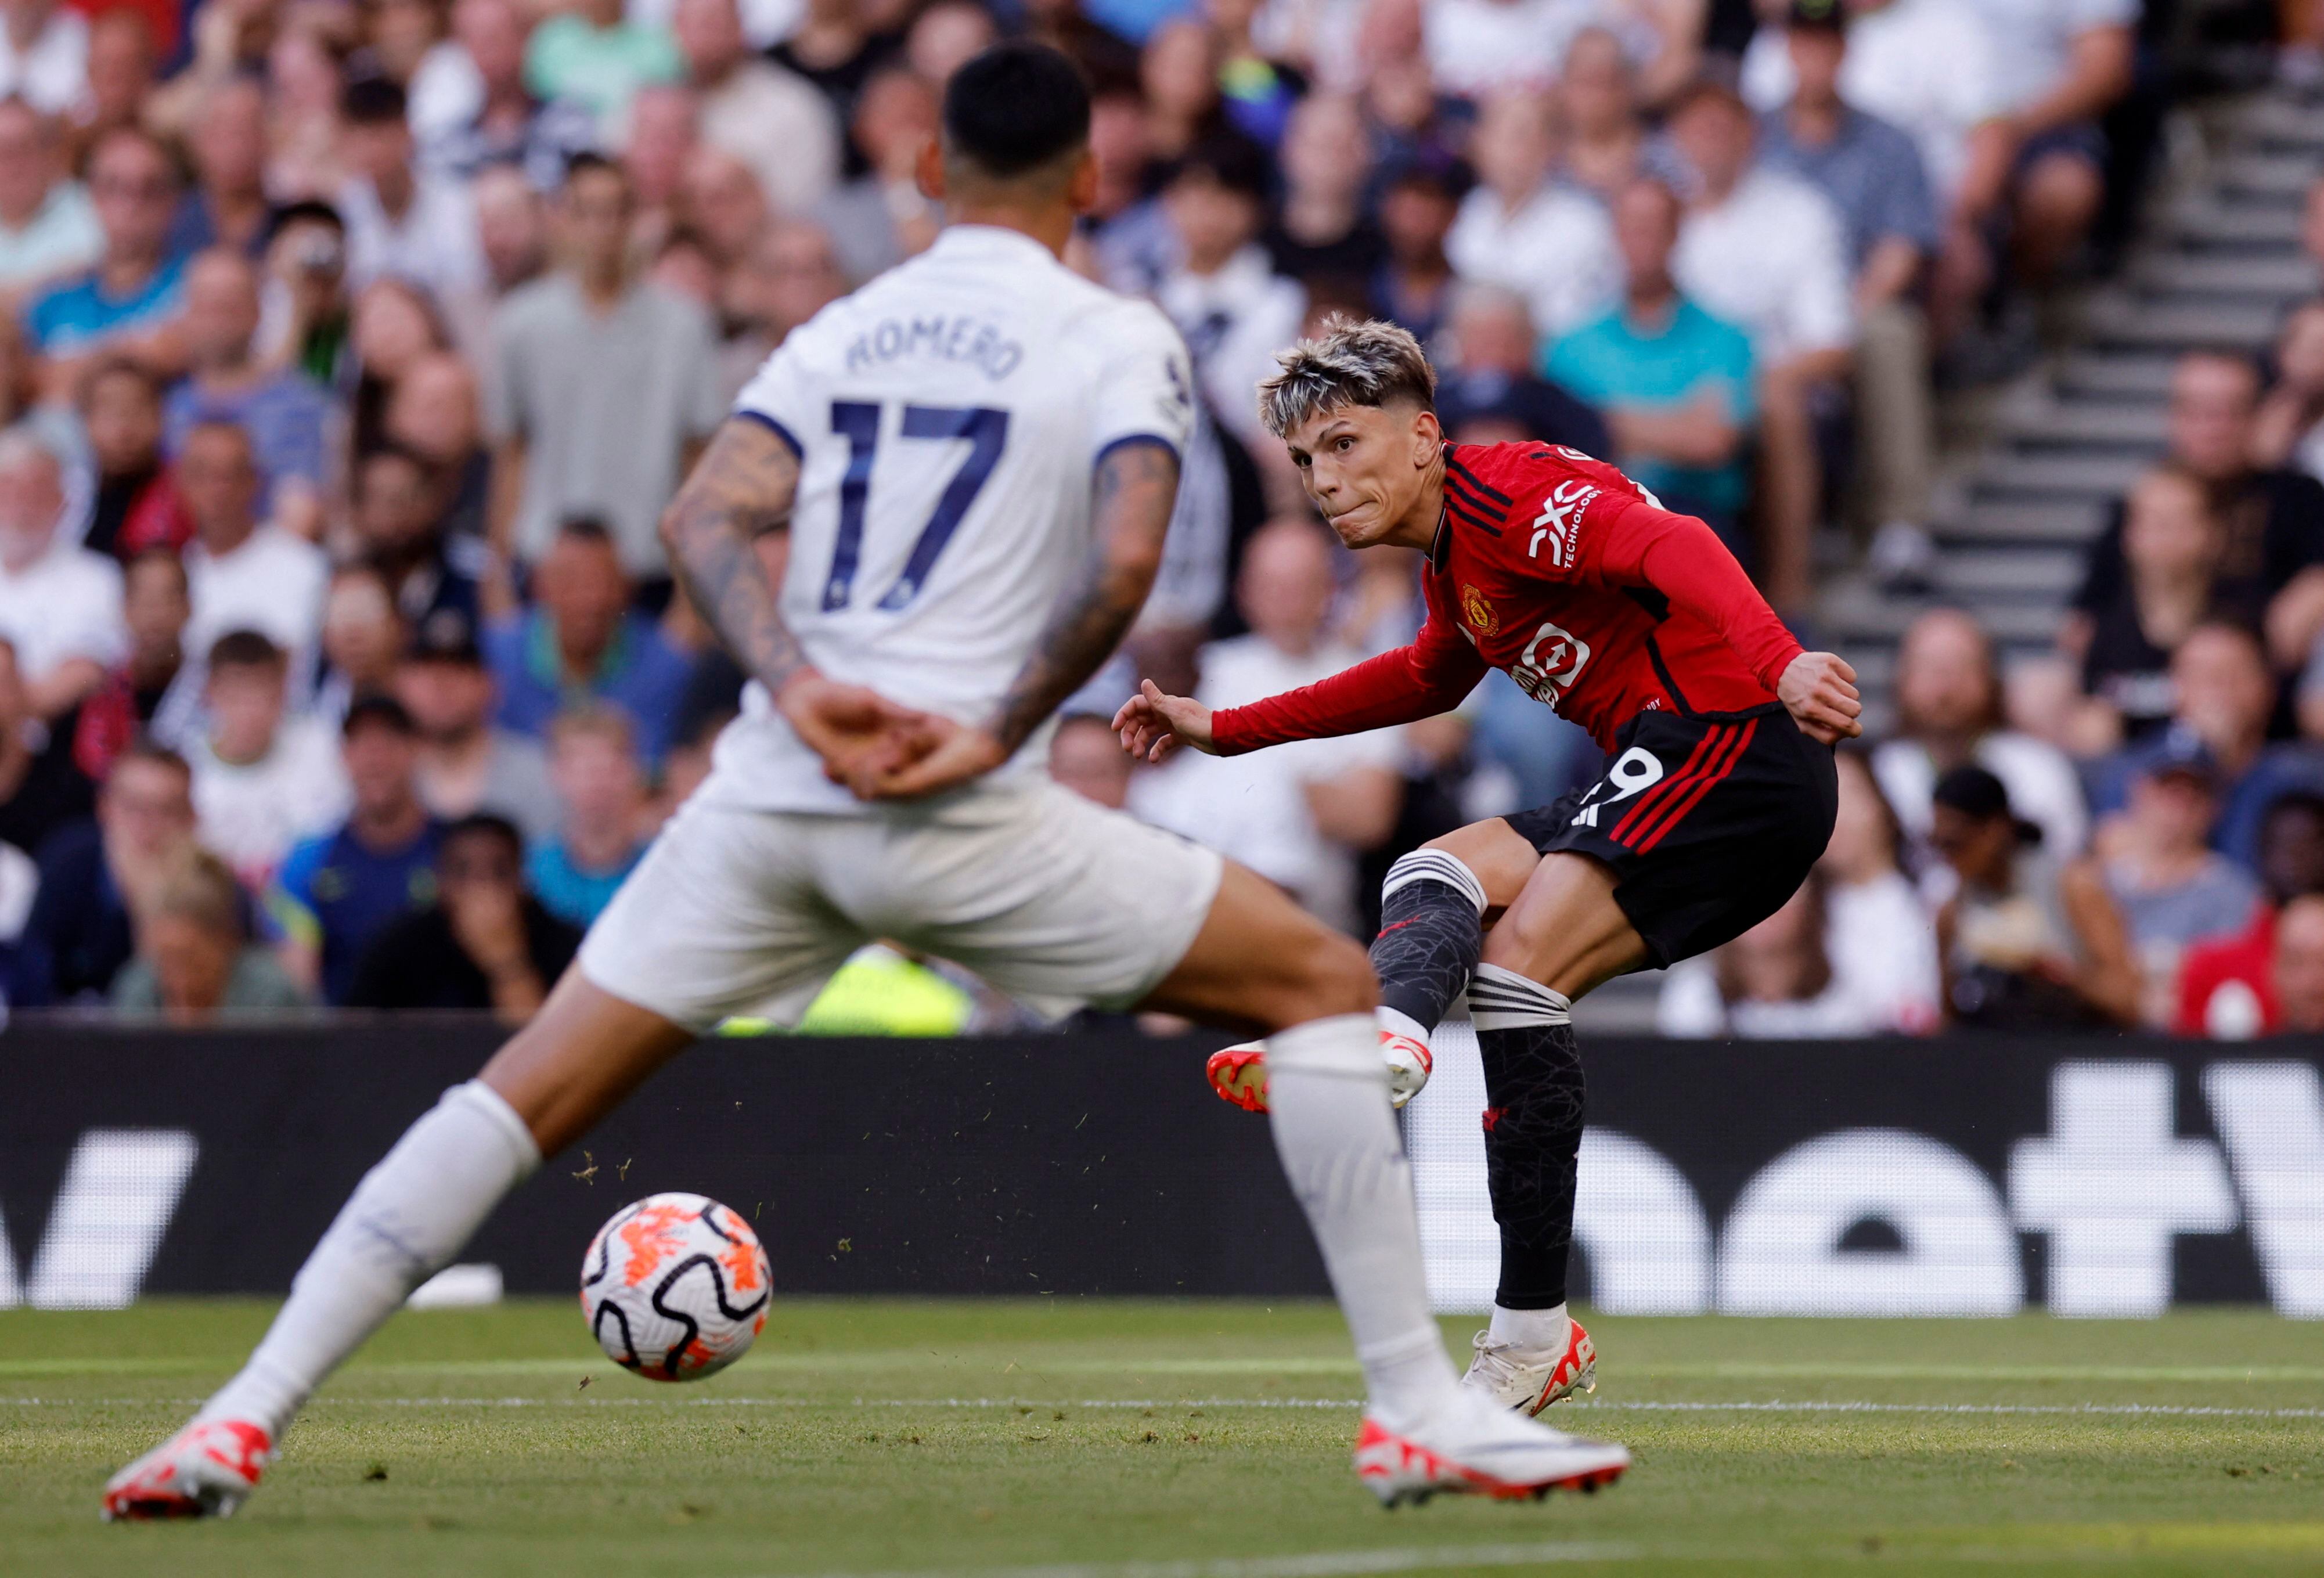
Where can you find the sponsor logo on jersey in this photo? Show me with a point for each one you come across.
(1477, 612)
(1559, 524)
(1550, 664)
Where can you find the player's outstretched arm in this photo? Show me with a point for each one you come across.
(1431, 676)
(738, 491)
(1137, 486)
(1153, 725)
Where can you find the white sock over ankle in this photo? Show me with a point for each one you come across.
(1401, 1024)
(407, 1219)
(1327, 1095)
(1531, 1328)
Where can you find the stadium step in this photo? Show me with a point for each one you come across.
(2113, 375)
(2288, 277)
(2094, 424)
(2179, 325)
(2070, 523)
(2272, 177)
(2073, 474)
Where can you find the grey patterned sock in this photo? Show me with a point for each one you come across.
(1431, 911)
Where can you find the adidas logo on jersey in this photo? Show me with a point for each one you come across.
(1560, 522)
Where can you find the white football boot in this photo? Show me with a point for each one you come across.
(204, 1470)
(1239, 1073)
(1531, 1379)
(1477, 1448)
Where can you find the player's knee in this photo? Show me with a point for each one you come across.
(1520, 940)
(1496, 858)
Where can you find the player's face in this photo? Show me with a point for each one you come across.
(1364, 468)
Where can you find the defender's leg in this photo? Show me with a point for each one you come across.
(708, 925)
(581, 1055)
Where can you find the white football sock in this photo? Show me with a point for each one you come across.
(404, 1222)
(1531, 1328)
(1401, 1024)
(1327, 1097)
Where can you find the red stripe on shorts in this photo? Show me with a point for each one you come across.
(1660, 793)
(1712, 780)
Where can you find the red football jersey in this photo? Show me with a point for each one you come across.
(1561, 571)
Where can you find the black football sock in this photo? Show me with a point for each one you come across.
(1532, 1130)
(1432, 907)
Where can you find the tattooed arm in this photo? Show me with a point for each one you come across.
(1137, 485)
(739, 492)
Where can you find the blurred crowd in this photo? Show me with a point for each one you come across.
(351, 348)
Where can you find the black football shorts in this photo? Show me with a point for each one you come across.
(1709, 821)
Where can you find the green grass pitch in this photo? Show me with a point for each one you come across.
(1092, 1439)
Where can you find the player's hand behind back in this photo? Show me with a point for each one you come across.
(1819, 690)
(861, 736)
(965, 752)
(1152, 724)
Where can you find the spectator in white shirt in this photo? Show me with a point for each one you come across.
(1949, 707)
(43, 54)
(1553, 242)
(1882, 939)
(59, 603)
(1225, 297)
(264, 780)
(1604, 135)
(1776, 982)
(1086, 757)
(1476, 46)
(47, 226)
(1766, 252)
(773, 119)
(2059, 65)
(1298, 814)
(1871, 971)
(246, 575)
(401, 223)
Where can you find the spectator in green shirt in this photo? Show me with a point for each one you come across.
(591, 57)
(194, 961)
(1672, 382)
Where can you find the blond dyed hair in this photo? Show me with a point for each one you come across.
(1366, 363)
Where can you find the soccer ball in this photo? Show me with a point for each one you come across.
(675, 1287)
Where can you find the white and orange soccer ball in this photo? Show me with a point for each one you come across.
(675, 1287)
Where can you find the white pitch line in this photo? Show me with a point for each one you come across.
(1771, 1406)
(1319, 1564)
(2163, 1410)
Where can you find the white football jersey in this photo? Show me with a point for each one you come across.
(948, 418)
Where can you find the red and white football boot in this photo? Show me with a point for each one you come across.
(1239, 1073)
(1531, 1379)
(204, 1470)
(1477, 1449)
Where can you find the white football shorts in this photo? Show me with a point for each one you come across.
(1055, 901)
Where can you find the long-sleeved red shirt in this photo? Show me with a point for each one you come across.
(1576, 581)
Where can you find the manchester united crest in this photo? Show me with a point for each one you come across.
(1478, 613)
